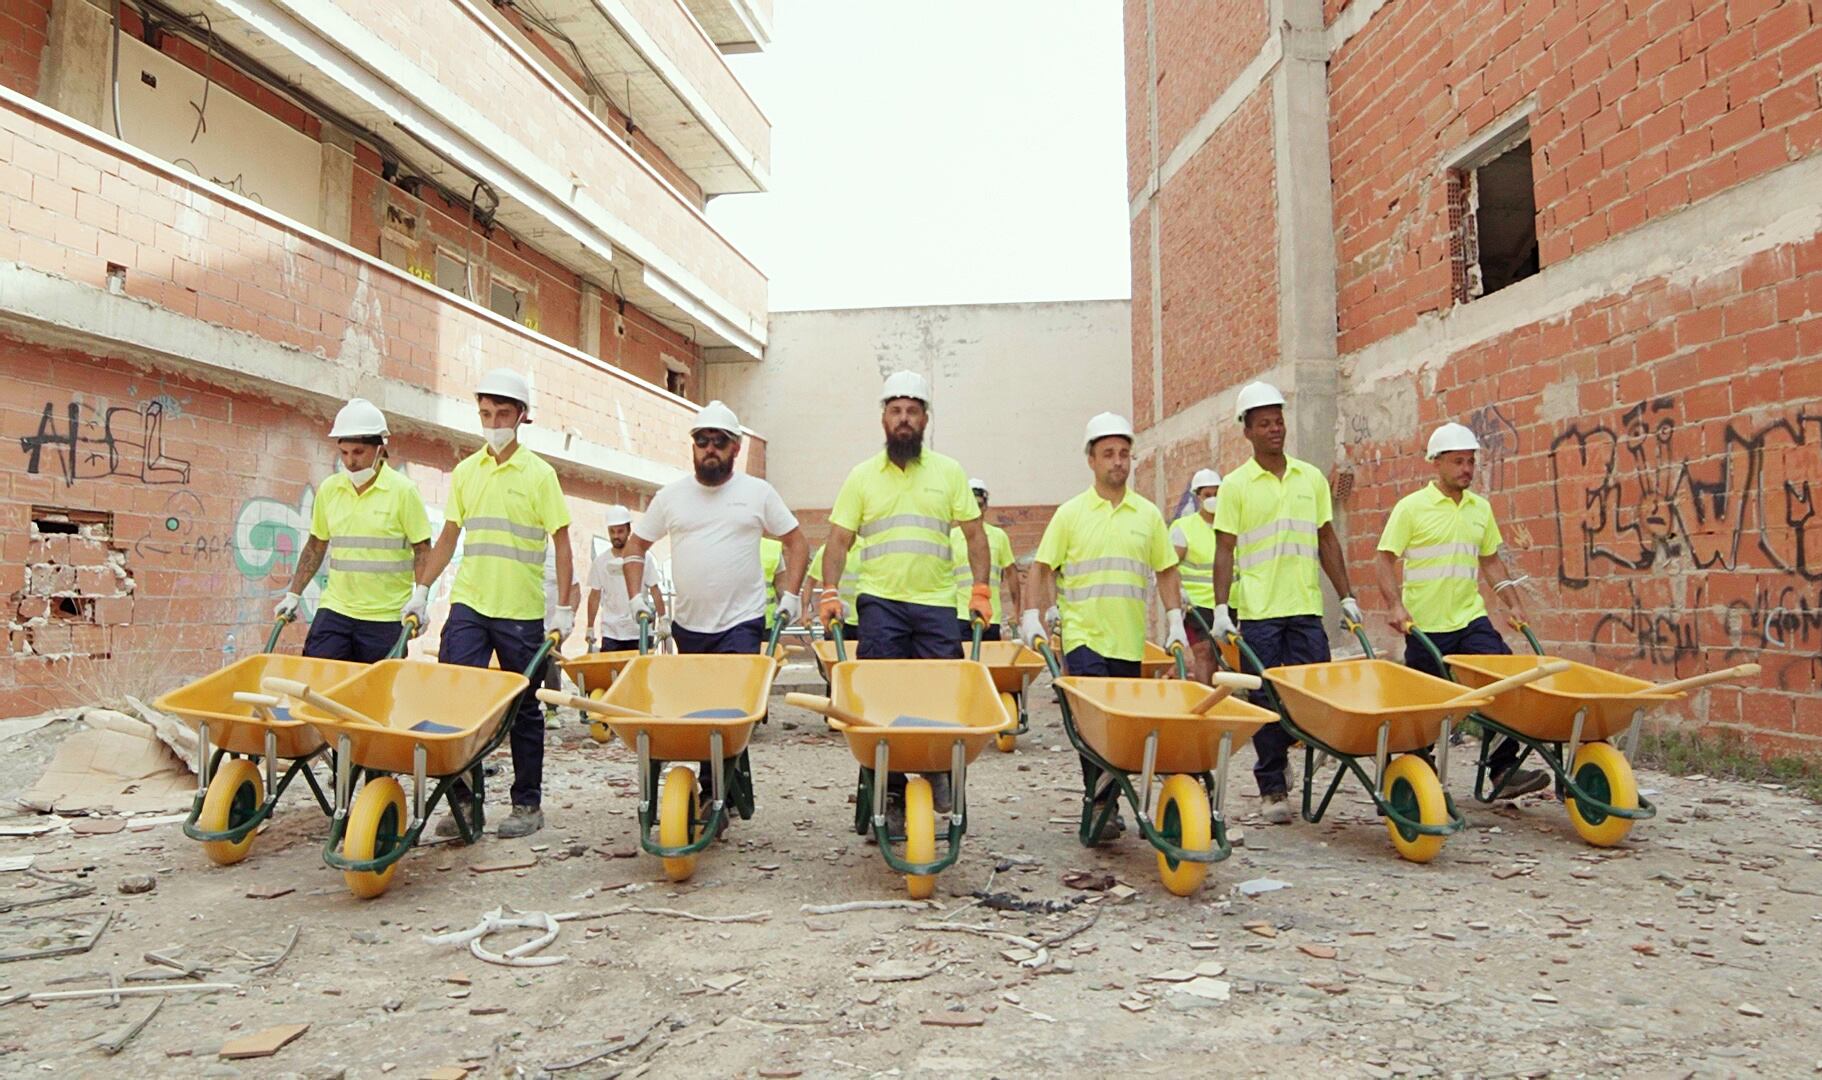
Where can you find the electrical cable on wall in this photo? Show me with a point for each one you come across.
(208, 72)
(114, 71)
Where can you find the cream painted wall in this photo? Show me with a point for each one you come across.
(1013, 385)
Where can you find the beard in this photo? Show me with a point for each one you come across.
(902, 450)
(713, 474)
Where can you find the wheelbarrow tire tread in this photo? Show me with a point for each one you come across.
(1009, 741)
(1411, 785)
(376, 823)
(225, 805)
(1184, 819)
(677, 819)
(597, 727)
(1599, 766)
(920, 835)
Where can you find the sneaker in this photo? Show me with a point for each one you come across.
(1522, 782)
(1276, 808)
(524, 821)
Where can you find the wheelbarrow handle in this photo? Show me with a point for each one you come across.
(293, 689)
(1500, 686)
(1742, 671)
(839, 718)
(577, 701)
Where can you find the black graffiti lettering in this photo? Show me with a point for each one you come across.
(128, 442)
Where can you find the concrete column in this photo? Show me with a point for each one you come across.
(1154, 260)
(335, 188)
(74, 77)
(591, 319)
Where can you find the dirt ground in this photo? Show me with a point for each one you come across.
(1690, 950)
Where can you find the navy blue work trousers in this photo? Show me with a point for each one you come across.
(472, 640)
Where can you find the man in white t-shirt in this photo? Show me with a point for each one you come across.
(715, 520)
(611, 627)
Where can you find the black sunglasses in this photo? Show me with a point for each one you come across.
(717, 439)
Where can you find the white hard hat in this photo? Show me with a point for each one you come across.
(1204, 478)
(1256, 395)
(507, 383)
(618, 515)
(1105, 424)
(716, 417)
(1451, 437)
(905, 384)
(359, 419)
(975, 483)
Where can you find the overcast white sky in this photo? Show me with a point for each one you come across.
(944, 151)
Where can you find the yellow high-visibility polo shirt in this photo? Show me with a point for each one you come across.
(370, 535)
(1274, 524)
(850, 575)
(904, 515)
(1442, 542)
(1193, 533)
(771, 553)
(999, 553)
(507, 513)
(1103, 554)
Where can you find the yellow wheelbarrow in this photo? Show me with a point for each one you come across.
(921, 717)
(1012, 667)
(594, 674)
(1183, 731)
(239, 729)
(685, 708)
(430, 722)
(1572, 721)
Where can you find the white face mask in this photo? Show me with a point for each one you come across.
(361, 476)
(1208, 504)
(498, 437)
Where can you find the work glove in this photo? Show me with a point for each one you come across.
(562, 621)
(1031, 628)
(980, 602)
(1223, 626)
(286, 609)
(1174, 634)
(829, 607)
(1350, 612)
(588, 643)
(664, 628)
(416, 607)
(640, 605)
(790, 608)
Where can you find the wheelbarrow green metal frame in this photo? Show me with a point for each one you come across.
(1098, 813)
(1400, 811)
(1588, 788)
(391, 846)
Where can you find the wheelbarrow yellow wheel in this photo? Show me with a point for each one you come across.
(920, 835)
(1183, 817)
(676, 819)
(597, 727)
(1412, 789)
(233, 797)
(376, 825)
(1605, 774)
(1009, 741)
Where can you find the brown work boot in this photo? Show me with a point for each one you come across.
(1276, 808)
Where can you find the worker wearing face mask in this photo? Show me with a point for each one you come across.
(1193, 535)
(370, 522)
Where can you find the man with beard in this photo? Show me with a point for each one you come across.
(1273, 531)
(715, 520)
(1099, 546)
(610, 617)
(901, 503)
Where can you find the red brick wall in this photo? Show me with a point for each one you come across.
(1200, 51)
(1641, 110)
(23, 29)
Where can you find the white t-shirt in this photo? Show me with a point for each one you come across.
(715, 535)
(615, 619)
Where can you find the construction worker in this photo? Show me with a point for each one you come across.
(370, 521)
(1448, 541)
(846, 588)
(506, 503)
(1005, 571)
(1273, 529)
(1104, 543)
(1193, 535)
(715, 519)
(771, 566)
(610, 616)
(902, 502)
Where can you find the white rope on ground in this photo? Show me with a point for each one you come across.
(505, 918)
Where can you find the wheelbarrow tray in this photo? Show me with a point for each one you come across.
(1115, 717)
(1010, 663)
(1157, 662)
(920, 708)
(1343, 704)
(598, 670)
(673, 687)
(235, 726)
(1545, 710)
(469, 702)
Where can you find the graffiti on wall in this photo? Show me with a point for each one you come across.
(1498, 445)
(82, 442)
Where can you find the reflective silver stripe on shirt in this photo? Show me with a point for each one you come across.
(379, 542)
(1110, 563)
(1271, 528)
(1104, 592)
(1438, 551)
(1185, 564)
(1288, 545)
(368, 566)
(904, 521)
(523, 532)
(503, 551)
(1440, 571)
(896, 547)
